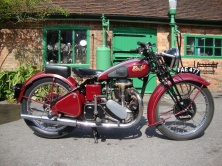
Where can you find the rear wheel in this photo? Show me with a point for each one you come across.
(37, 102)
(196, 118)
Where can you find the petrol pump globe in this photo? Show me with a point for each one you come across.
(173, 5)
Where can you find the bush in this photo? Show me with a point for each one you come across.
(10, 78)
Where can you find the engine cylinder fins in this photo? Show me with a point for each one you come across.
(122, 84)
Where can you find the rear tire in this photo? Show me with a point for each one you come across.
(41, 91)
(194, 121)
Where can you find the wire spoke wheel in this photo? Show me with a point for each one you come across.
(38, 98)
(198, 112)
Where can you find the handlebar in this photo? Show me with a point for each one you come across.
(143, 45)
(134, 51)
(168, 55)
(171, 57)
(172, 53)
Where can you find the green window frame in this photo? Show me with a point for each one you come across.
(76, 53)
(202, 46)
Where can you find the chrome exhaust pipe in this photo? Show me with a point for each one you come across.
(74, 123)
(45, 119)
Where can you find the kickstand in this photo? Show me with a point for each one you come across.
(95, 134)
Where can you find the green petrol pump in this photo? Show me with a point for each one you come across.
(103, 59)
(174, 30)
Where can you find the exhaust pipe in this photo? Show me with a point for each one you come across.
(45, 119)
(74, 123)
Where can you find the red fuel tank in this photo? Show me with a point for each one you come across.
(133, 68)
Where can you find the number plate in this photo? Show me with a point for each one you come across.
(191, 70)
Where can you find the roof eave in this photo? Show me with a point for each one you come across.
(125, 18)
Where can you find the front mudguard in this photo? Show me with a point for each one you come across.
(160, 89)
(70, 81)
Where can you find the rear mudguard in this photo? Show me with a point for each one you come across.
(154, 98)
(70, 81)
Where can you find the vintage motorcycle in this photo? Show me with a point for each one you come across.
(181, 106)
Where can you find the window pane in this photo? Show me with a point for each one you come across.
(190, 41)
(190, 50)
(200, 41)
(65, 48)
(52, 50)
(200, 52)
(190, 45)
(209, 51)
(209, 42)
(80, 47)
(218, 43)
(217, 51)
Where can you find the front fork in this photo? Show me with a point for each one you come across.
(145, 81)
(174, 93)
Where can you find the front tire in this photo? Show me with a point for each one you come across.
(194, 121)
(43, 92)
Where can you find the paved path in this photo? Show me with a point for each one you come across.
(120, 147)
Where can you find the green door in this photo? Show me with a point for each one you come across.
(125, 39)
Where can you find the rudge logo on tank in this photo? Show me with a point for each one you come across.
(139, 68)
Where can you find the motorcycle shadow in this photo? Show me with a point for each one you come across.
(154, 132)
(110, 133)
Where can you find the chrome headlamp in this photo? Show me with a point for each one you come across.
(171, 57)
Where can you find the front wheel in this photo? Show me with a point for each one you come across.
(38, 98)
(198, 105)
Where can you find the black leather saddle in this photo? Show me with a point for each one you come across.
(89, 73)
(64, 71)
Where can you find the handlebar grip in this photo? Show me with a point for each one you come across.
(142, 44)
(134, 51)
